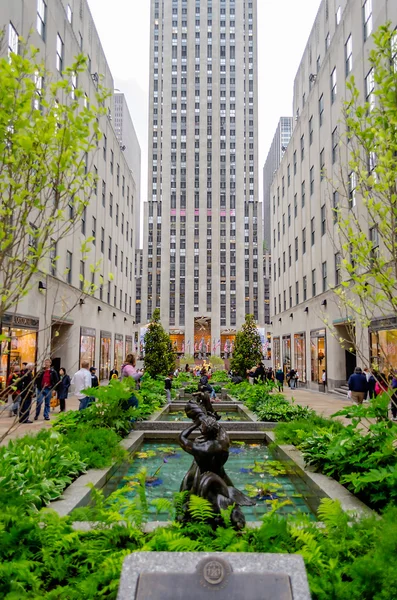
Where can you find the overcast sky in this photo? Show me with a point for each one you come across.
(283, 30)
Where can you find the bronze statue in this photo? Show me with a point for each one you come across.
(207, 477)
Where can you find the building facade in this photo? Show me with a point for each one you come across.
(202, 219)
(306, 261)
(129, 144)
(278, 147)
(57, 318)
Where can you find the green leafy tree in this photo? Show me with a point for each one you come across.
(365, 236)
(247, 349)
(159, 355)
(48, 131)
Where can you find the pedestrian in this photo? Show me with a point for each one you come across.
(292, 378)
(114, 374)
(204, 384)
(46, 381)
(63, 389)
(187, 368)
(168, 386)
(371, 385)
(128, 369)
(94, 378)
(324, 379)
(381, 384)
(25, 387)
(82, 381)
(280, 379)
(257, 373)
(358, 386)
(12, 387)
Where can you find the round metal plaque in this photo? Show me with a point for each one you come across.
(214, 572)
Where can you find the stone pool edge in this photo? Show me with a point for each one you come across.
(78, 493)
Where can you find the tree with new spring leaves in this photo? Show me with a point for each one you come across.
(47, 133)
(367, 237)
(247, 348)
(159, 355)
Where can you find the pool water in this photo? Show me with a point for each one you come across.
(169, 463)
(225, 416)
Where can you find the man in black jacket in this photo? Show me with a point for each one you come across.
(25, 387)
(46, 381)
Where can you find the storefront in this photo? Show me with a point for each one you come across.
(118, 351)
(106, 344)
(129, 346)
(318, 355)
(20, 344)
(276, 352)
(286, 353)
(300, 356)
(383, 344)
(87, 345)
(178, 341)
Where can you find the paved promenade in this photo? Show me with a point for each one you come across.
(323, 404)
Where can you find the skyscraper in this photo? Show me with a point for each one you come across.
(202, 222)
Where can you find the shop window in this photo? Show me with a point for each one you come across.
(317, 355)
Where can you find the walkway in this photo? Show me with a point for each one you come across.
(18, 430)
(324, 404)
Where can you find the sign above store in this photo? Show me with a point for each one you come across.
(20, 321)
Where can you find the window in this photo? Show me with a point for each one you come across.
(59, 56)
(289, 175)
(324, 275)
(349, 55)
(352, 189)
(13, 41)
(304, 240)
(110, 248)
(321, 109)
(102, 240)
(313, 282)
(322, 164)
(374, 239)
(310, 131)
(295, 205)
(110, 204)
(312, 181)
(297, 292)
(323, 220)
(296, 249)
(335, 205)
(289, 255)
(302, 147)
(304, 288)
(295, 162)
(327, 42)
(289, 215)
(94, 231)
(69, 13)
(41, 18)
(53, 257)
(333, 86)
(367, 16)
(338, 261)
(83, 220)
(82, 274)
(69, 260)
(334, 145)
(303, 194)
(105, 146)
(313, 231)
(369, 89)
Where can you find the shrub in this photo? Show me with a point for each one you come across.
(295, 432)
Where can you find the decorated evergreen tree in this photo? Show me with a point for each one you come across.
(247, 349)
(159, 355)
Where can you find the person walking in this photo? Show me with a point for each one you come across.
(46, 381)
(324, 380)
(25, 386)
(168, 387)
(94, 382)
(371, 385)
(280, 379)
(12, 387)
(292, 378)
(82, 381)
(358, 386)
(63, 389)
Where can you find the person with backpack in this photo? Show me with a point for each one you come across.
(280, 379)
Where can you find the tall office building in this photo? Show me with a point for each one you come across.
(57, 318)
(308, 320)
(202, 220)
(278, 147)
(129, 145)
